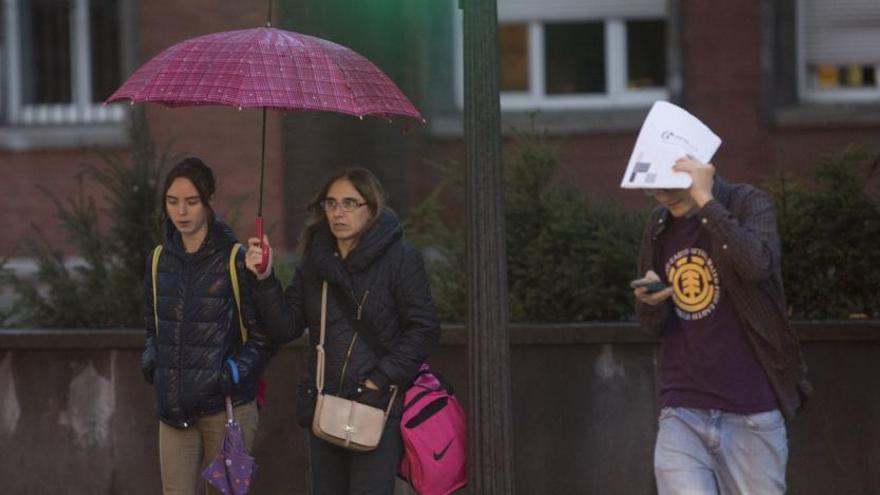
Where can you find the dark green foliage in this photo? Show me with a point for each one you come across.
(830, 230)
(106, 289)
(6, 278)
(568, 259)
(284, 264)
(442, 244)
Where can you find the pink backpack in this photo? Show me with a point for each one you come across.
(434, 437)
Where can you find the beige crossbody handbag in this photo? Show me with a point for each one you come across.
(344, 422)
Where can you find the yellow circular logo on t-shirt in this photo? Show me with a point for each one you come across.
(694, 282)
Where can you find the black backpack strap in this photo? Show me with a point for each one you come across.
(417, 398)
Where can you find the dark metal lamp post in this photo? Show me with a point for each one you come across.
(490, 435)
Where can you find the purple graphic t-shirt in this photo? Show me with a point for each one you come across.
(706, 359)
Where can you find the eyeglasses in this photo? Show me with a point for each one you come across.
(348, 205)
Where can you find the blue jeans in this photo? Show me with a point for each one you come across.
(706, 451)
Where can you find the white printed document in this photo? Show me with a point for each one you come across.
(668, 133)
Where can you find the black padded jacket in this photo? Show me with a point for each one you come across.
(199, 329)
(388, 276)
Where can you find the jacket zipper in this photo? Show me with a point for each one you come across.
(360, 306)
(186, 279)
(345, 363)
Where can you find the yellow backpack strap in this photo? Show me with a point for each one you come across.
(155, 272)
(233, 274)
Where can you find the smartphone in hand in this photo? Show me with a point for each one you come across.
(651, 286)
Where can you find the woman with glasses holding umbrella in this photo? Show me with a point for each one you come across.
(381, 323)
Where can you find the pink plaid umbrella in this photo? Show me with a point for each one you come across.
(268, 68)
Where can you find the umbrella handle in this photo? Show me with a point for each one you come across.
(261, 266)
(230, 417)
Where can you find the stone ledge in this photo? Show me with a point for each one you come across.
(817, 115)
(453, 335)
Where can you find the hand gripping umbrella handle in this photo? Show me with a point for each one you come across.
(261, 266)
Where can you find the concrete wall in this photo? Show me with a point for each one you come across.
(76, 416)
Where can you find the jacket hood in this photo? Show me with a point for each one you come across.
(219, 237)
(373, 243)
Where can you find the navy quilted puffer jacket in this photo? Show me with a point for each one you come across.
(199, 329)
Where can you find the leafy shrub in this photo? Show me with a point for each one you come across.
(568, 259)
(6, 278)
(830, 228)
(106, 289)
(442, 242)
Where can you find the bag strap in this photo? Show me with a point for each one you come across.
(233, 274)
(230, 416)
(418, 397)
(154, 271)
(443, 386)
(319, 375)
(236, 291)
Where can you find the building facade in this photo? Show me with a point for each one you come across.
(781, 82)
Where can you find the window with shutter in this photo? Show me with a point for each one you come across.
(839, 50)
(61, 59)
(580, 54)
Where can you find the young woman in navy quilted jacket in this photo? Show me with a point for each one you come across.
(197, 354)
(354, 242)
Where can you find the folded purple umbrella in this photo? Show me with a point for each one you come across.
(233, 468)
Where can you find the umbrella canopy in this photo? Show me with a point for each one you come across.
(232, 469)
(267, 68)
(270, 68)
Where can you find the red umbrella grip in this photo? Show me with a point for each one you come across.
(261, 267)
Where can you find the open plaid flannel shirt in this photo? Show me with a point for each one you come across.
(744, 242)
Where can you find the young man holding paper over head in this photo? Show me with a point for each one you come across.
(731, 368)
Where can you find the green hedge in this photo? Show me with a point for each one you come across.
(106, 290)
(569, 258)
(830, 230)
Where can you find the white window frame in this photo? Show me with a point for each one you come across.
(82, 110)
(835, 95)
(617, 95)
